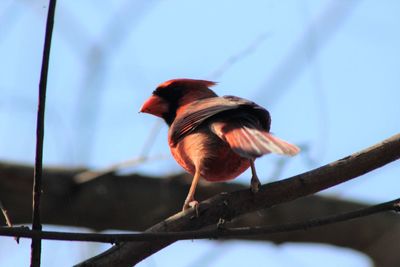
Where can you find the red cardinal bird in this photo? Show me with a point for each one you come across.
(213, 137)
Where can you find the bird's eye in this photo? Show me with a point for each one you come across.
(158, 91)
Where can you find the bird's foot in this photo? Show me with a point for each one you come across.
(190, 204)
(255, 184)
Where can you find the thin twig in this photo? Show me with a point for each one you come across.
(213, 232)
(238, 56)
(7, 218)
(5, 214)
(280, 79)
(36, 245)
(89, 175)
(149, 142)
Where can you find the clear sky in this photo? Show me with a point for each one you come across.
(328, 71)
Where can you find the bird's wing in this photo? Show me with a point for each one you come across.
(242, 124)
(198, 112)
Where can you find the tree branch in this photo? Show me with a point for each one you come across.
(122, 202)
(230, 205)
(7, 218)
(36, 246)
(89, 205)
(5, 214)
(216, 231)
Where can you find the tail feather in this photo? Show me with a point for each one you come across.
(252, 142)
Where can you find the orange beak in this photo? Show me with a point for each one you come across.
(155, 105)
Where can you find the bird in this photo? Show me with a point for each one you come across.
(216, 138)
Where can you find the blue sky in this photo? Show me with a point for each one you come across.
(326, 70)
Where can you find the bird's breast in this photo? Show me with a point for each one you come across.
(204, 151)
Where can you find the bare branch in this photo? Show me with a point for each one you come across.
(122, 202)
(5, 214)
(7, 218)
(36, 246)
(230, 205)
(332, 17)
(216, 231)
(89, 175)
(238, 56)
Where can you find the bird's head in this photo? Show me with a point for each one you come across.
(172, 95)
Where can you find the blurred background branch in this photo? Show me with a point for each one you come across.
(97, 205)
(109, 191)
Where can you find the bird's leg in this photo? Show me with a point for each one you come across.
(255, 183)
(190, 202)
